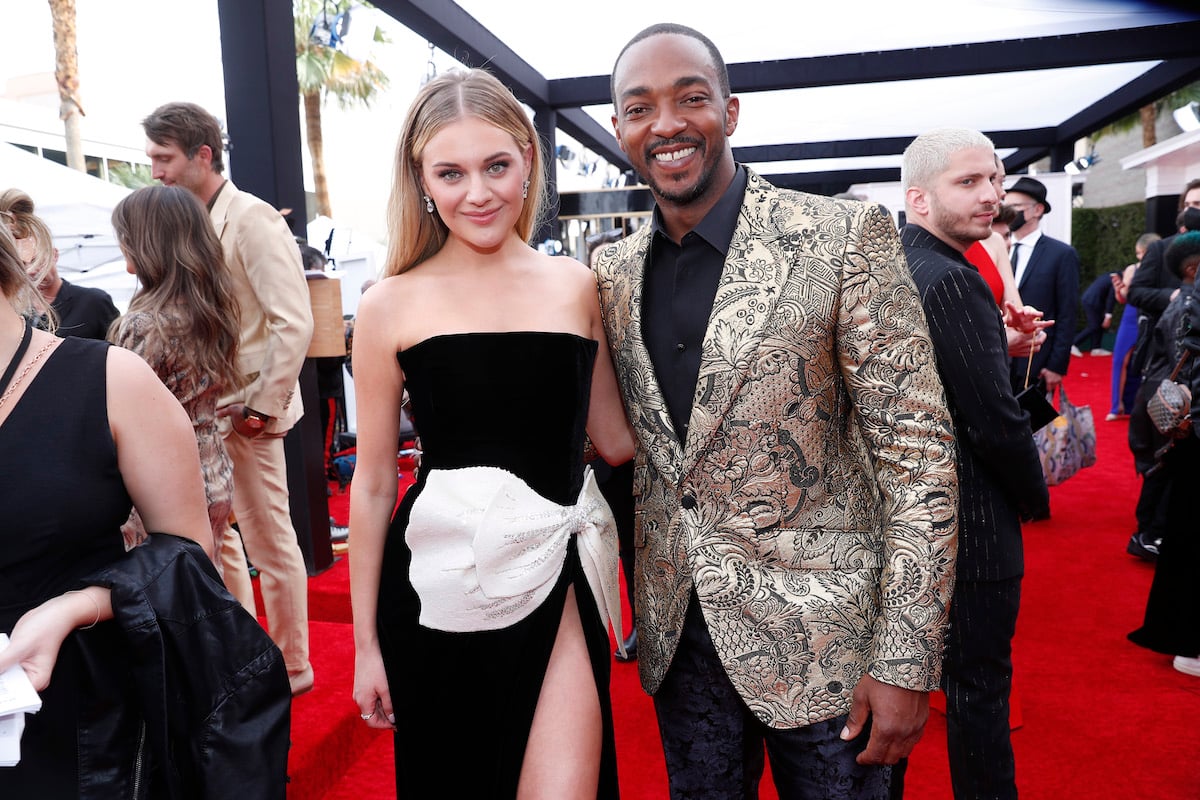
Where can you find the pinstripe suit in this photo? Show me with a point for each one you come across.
(1000, 483)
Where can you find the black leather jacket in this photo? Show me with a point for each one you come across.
(212, 706)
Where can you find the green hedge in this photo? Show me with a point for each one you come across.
(1104, 238)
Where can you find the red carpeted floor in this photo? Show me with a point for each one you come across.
(1102, 719)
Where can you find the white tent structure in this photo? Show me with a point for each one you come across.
(74, 205)
(77, 208)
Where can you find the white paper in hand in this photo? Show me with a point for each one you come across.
(17, 698)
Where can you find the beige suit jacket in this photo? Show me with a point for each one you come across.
(268, 280)
(813, 505)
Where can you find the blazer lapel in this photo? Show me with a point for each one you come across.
(220, 209)
(756, 267)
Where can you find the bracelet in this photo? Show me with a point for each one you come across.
(94, 602)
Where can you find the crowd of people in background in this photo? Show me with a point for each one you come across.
(781, 395)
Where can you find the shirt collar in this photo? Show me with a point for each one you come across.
(1029, 240)
(719, 223)
(212, 201)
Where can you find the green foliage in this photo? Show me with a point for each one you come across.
(1104, 239)
(131, 176)
(1172, 101)
(351, 82)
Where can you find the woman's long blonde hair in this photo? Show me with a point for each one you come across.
(415, 234)
(185, 287)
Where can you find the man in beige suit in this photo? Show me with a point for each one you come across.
(185, 148)
(795, 480)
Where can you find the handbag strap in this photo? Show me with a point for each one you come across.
(1182, 360)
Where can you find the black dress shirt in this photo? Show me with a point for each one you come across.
(680, 286)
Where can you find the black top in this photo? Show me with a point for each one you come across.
(62, 498)
(83, 311)
(681, 283)
(62, 502)
(1152, 284)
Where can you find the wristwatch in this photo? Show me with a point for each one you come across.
(255, 420)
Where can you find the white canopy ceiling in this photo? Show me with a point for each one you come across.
(823, 48)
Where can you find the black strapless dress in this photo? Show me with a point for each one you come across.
(464, 702)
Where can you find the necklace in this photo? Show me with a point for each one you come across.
(17, 360)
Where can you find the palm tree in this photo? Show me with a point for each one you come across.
(66, 73)
(324, 71)
(1147, 115)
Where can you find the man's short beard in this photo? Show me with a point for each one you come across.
(689, 195)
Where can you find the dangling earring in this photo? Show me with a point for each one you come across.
(429, 204)
(525, 189)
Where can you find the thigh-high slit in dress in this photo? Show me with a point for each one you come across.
(464, 700)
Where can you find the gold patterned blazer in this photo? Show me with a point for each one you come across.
(813, 505)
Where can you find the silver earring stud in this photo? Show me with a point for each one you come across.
(429, 204)
(525, 190)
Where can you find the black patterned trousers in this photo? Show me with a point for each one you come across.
(714, 746)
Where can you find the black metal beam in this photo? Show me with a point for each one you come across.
(1023, 157)
(577, 124)
(456, 32)
(1150, 43)
(888, 146)
(1154, 84)
(258, 55)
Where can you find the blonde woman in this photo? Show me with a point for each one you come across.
(490, 660)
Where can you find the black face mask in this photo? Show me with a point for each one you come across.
(1018, 221)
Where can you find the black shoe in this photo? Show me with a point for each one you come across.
(630, 647)
(1143, 548)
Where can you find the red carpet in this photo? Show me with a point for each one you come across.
(1102, 719)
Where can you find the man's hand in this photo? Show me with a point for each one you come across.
(897, 720)
(1051, 379)
(245, 421)
(1024, 345)
(1026, 319)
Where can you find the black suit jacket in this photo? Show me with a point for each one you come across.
(83, 311)
(1153, 284)
(1050, 282)
(1000, 476)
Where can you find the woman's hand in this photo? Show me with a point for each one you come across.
(371, 693)
(38, 635)
(1025, 319)
(1024, 345)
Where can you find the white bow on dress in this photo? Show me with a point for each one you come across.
(487, 549)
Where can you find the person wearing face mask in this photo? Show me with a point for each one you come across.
(81, 311)
(1047, 275)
